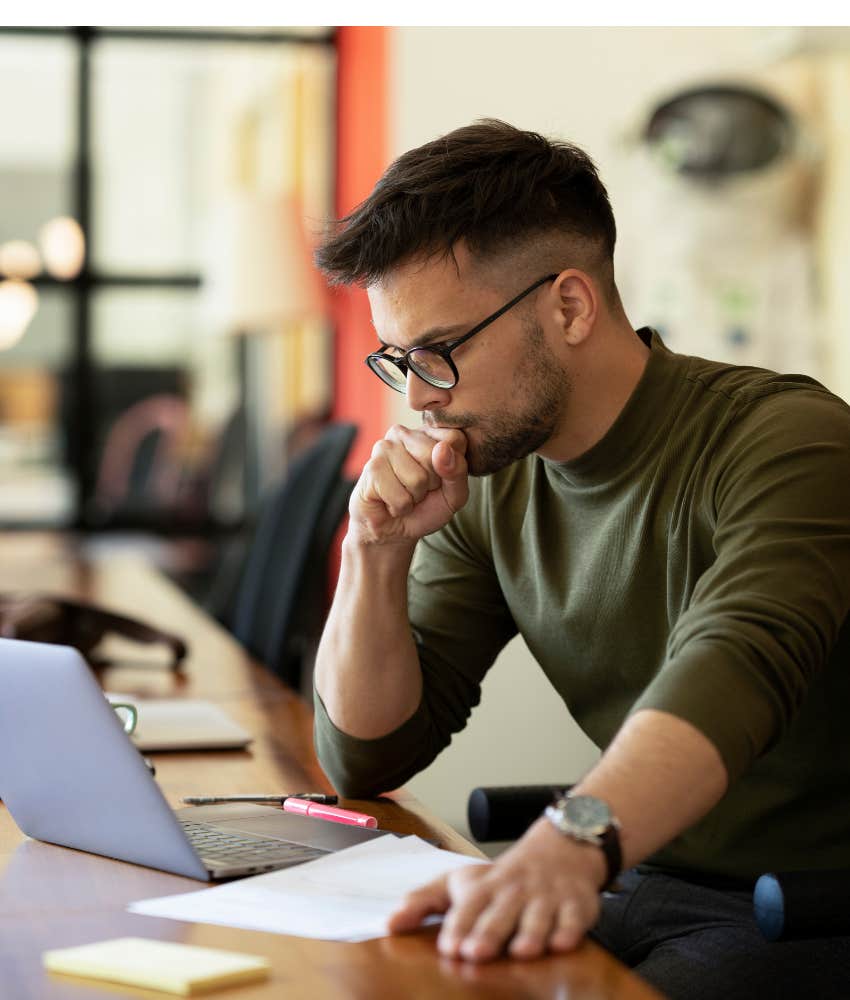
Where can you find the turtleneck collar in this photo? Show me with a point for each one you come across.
(639, 426)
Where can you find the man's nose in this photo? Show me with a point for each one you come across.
(421, 395)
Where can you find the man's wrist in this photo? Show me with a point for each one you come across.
(360, 544)
(589, 820)
(581, 855)
(382, 563)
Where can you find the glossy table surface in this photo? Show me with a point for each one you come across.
(53, 897)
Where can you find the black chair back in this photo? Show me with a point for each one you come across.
(281, 594)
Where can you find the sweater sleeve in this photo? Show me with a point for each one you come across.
(460, 622)
(763, 619)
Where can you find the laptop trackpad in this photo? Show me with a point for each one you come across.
(268, 821)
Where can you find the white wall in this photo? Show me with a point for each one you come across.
(592, 86)
(589, 85)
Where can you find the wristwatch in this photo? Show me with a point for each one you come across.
(589, 820)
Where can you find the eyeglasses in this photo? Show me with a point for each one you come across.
(128, 714)
(433, 364)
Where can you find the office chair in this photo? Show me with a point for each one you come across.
(280, 594)
(791, 906)
(505, 812)
(141, 469)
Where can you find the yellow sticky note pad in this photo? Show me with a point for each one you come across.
(158, 965)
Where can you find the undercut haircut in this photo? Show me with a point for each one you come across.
(515, 198)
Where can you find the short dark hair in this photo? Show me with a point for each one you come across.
(496, 187)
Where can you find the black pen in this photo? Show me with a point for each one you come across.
(211, 800)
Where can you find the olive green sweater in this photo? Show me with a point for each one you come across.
(696, 560)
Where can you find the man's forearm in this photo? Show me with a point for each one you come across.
(367, 667)
(659, 776)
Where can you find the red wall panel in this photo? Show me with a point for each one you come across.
(362, 156)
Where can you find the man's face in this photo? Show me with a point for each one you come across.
(512, 390)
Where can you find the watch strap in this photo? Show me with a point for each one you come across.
(609, 841)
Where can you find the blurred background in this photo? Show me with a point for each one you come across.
(175, 170)
(166, 350)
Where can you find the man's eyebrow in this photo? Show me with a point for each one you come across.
(431, 336)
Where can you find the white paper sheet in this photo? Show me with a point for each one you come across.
(345, 896)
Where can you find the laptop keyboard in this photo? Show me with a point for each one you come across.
(216, 846)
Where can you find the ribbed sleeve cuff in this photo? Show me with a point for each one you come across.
(359, 768)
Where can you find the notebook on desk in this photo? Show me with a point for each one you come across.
(182, 724)
(70, 775)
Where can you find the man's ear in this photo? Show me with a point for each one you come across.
(577, 305)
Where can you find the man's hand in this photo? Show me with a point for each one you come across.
(660, 775)
(541, 895)
(414, 483)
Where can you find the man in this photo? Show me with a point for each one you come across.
(671, 537)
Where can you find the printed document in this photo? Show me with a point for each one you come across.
(345, 896)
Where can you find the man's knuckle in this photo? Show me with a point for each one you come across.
(400, 505)
(510, 891)
(380, 449)
(418, 482)
(469, 896)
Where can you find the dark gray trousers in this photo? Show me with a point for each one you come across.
(692, 942)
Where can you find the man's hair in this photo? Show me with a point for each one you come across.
(513, 197)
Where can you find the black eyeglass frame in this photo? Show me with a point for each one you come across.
(404, 363)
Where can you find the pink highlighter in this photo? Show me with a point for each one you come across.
(303, 807)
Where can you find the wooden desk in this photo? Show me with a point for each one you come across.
(52, 897)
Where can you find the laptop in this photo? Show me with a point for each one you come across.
(70, 775)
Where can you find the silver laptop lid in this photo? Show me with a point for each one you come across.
(68, 772)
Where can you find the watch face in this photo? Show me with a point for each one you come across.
(587, 813)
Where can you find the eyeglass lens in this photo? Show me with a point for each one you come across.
(425, 363)
(389, 371)
(431, 367)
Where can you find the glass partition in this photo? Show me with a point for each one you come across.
(123, 400)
